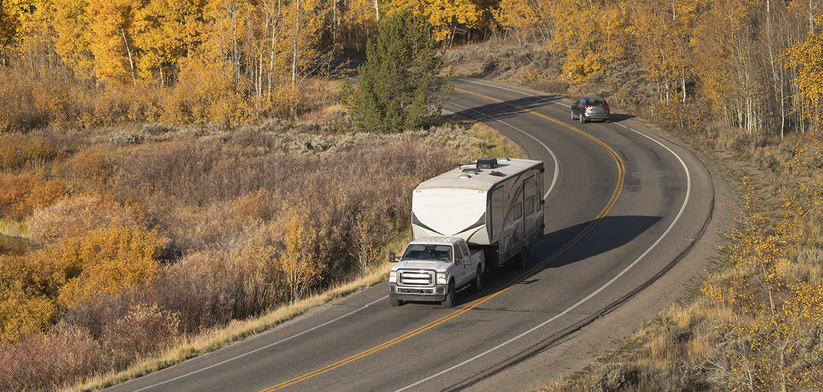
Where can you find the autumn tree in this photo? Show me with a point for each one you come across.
(170, 33)
(298, 263)
(447, 17)
(111, 39)
(398, 87)
(593, 36)
(805, 59)
(525, 17)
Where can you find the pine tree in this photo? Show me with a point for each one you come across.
(398, 88)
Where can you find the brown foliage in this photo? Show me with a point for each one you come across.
(40, 362)
(18, 151)
(74, 216)
(18, 104)
(86, 169)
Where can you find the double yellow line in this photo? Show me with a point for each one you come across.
(621, 175)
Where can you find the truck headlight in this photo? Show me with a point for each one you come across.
(393, 277)
(442, 278)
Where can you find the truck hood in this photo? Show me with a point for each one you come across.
(438, 266)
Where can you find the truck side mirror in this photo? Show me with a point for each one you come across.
(392, 257)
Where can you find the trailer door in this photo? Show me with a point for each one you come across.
(531, 206)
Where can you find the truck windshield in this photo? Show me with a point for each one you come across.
(428, 252)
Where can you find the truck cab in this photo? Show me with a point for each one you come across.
(434, 269)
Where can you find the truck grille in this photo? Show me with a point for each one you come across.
(416, 278)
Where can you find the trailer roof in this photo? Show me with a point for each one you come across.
(469, 177)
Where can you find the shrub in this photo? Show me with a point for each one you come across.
(87, 169)
(107, 261)
(140, 331)
(76, 215)
(40, 362)
(19, 111)
(208, 289)
(26, 299)
(18, 151)
(125, 138)
(21, 194)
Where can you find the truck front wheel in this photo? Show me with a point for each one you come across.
(394, 301)
(451, 297)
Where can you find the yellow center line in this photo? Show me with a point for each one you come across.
(615, 195)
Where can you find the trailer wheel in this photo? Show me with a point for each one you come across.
(524, 258)
(394, 301)
(451, 297)
(477, 282)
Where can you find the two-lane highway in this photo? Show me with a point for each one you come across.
(623, 205)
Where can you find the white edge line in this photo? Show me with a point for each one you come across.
(264, 347)
(584, 300)
(513, 91)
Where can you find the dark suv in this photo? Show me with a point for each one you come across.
(588, 108)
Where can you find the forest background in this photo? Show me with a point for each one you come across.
(128, 126)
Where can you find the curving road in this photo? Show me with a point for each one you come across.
(625, 208)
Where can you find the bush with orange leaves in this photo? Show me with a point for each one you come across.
(21, 194)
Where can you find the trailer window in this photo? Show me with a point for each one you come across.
(517, 211)
(529, 205)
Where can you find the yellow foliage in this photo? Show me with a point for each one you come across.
(593, 35)
(168, 31)
(70, 23)
(445, 15)
(110, 38)
(771, 342)
(25, 305)
(101, 262)
(301, 269)
(805, 59)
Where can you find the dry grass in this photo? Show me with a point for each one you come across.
(236, 330)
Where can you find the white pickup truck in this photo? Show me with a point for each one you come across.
(435, 269)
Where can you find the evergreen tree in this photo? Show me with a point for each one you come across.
(398, 88)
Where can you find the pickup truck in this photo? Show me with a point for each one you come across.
(435, 269)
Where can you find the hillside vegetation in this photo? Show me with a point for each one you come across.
(136, 240)
(169, 167)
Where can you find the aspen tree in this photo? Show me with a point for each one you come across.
(805, 59)
(446, 16)
(111, 39)
(71, 23)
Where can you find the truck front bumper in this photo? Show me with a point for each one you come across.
(427, 294)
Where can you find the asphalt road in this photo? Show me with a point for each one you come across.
(626, 208)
